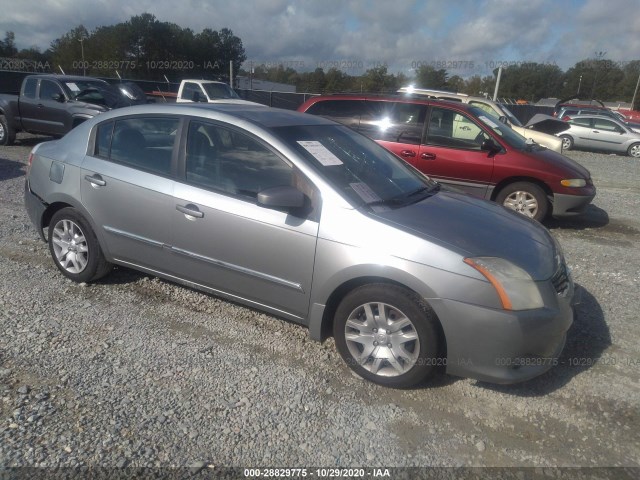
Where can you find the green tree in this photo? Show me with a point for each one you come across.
(428, 77)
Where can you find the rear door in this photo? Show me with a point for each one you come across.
(451, 152)
(127, 186)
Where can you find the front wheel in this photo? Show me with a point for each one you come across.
(567, 142)
(75, 248)
(7, 134)
(634, 150)
(387, 335)
(525, 198)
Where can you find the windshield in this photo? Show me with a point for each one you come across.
(506, 133)
(77, 87)
(512, 118)
(219, 90)
(357, 167)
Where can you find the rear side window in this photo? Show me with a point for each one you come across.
(142, 142)
(487, 108)
(394, 122)
(30, 88)
(583, 122)
(606, 125)
(347, 112)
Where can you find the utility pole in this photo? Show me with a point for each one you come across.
(495, 92)
(84, 68)
(579, 83)
(599, 56)
(633, 100)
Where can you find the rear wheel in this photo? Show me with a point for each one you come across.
(75, 248)
(567, 142)
(525, 198)
(7, 134)
(634, 150)
(387, 335)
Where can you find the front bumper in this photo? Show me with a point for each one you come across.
(569, 205)
(35, 208)
(503, 346)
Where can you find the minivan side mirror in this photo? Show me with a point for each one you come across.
(489, 145)
(504, 119)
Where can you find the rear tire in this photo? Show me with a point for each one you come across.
(74, 247)
(7, 133)
(634, 150)
(567, 142)
(525, 198)
(387, 334)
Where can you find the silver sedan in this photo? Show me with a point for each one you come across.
(304, 218)
(599, 132)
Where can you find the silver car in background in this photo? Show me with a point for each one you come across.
(301, 217)
(601, 133)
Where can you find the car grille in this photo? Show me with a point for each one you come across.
(561, 280)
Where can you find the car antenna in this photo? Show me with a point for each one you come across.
(119, 76)
(61, 70)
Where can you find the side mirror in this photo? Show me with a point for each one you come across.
(197, 97)
(58, 97)
(490, 146)
(503, 119)
(279, 198)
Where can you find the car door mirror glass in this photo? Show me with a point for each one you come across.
(282, 197)
(58, 97)
(489, 145)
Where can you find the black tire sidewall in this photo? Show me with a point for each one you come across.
(95, 256)
(421, 316)
(533, 189)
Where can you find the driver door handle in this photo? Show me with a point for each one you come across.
(428, 156)
(190, 210)
(95, 180)
(408, 153)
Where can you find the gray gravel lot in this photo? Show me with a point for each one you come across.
(135, 371)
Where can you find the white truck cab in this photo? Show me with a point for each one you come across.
(208, 91)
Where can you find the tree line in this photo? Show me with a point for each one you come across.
(145, 48)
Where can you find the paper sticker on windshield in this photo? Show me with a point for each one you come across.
(320, 153)
(488, 122)
(73, 87)
(364, 192)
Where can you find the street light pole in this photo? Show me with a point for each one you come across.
(84, 71)
(579, 83)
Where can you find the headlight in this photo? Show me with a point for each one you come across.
(515, 287)
(574, 182)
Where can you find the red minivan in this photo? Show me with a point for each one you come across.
(465, 147)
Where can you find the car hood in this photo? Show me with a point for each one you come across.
(547, 124)
(557, 159)
(476, 227)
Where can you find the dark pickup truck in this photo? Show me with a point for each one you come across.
(54, 104)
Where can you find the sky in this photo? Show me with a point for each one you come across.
(466, 37)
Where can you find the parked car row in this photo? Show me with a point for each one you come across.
(602, 133)
(463, 146)
(309, 220)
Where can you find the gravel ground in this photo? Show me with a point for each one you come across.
(138, 372)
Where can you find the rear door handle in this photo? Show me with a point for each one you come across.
(428, 156)
(408, 153)
(95, 180)
(596, 131)
(191, 210)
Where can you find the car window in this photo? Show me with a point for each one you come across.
(343, 111)
(142, 142)
(483, 106)
(48, 89)
(583, 122)
(394, 121)
(30, 88)
(103, 139)
(449, 128)
(606, 125)
(227, 160)
(189, 89)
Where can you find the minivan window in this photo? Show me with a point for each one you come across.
(343, 111)
(449, 128)
(394, 122)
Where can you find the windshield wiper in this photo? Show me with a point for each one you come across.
(407, 198)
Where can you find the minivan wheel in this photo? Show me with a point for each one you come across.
(387, 335)
(525, 198)
(75, 248)
(634, 150)
(567, 142)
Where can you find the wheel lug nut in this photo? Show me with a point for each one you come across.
(389, 345)
(375, 330)
(375, 344)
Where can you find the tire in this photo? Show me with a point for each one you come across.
(74, 247)
(634, 150)
(362, 337)
(525, 198)
(7, 133)
(567, 142)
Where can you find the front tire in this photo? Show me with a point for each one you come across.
(567, 142)
(634, 150)
(387, 335)
(74, 247)
(7, 134)
(525, 198)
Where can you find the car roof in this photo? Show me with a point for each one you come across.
(258, 115)
(593, 115)
(390, 98)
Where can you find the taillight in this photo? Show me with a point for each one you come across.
(565, 118)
